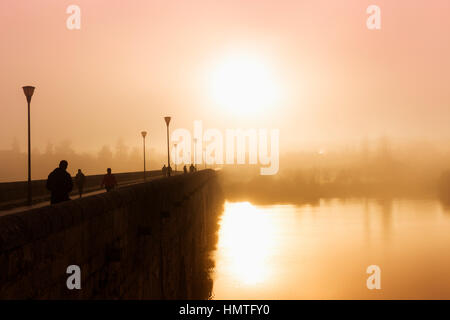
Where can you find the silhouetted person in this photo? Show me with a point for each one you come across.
(59, 183)
(191, 168)
(109, 181)
(169, 171)
(164, 170)
(185, 169)
(79, 181)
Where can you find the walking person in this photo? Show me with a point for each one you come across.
(59, 183)
(164, 170)
(79, 181)
(109, 181)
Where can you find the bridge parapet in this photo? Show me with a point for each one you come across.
(15, 193)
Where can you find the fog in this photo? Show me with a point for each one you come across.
(131, 64)
(120, 157)
(311, 69)
(375, 168)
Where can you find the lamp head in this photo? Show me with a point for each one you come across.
(167, 119)
(28, 91)
(144, 134)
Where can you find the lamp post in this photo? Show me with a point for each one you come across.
(204, 156)
(195, 153)
(167, 119)
(144, 134)
(176, 156)
(28, 91)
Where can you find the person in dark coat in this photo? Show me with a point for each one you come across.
(79, 180)
(59, 183)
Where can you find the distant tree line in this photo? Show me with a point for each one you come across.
(372, 169)
(121, 158)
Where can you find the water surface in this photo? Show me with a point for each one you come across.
(323, 251)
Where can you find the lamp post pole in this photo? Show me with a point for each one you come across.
(167, 119)
(176, 156)
(195, 153)
(28, 91)
(144, 134)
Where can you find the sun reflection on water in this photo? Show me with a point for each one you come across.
(246, 242)
(322, 252)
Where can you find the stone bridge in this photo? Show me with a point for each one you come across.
(145, 241)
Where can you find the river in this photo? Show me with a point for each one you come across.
(323, 251)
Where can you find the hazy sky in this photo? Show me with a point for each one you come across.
(323, 76)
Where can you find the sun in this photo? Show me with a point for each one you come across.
(244, 84)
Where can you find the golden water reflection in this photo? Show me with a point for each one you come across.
(246, 239)
(323, 251)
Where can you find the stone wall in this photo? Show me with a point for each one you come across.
(145, 241)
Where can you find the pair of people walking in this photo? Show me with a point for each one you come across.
(192, 169)
(166, 171)
(59, 183)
